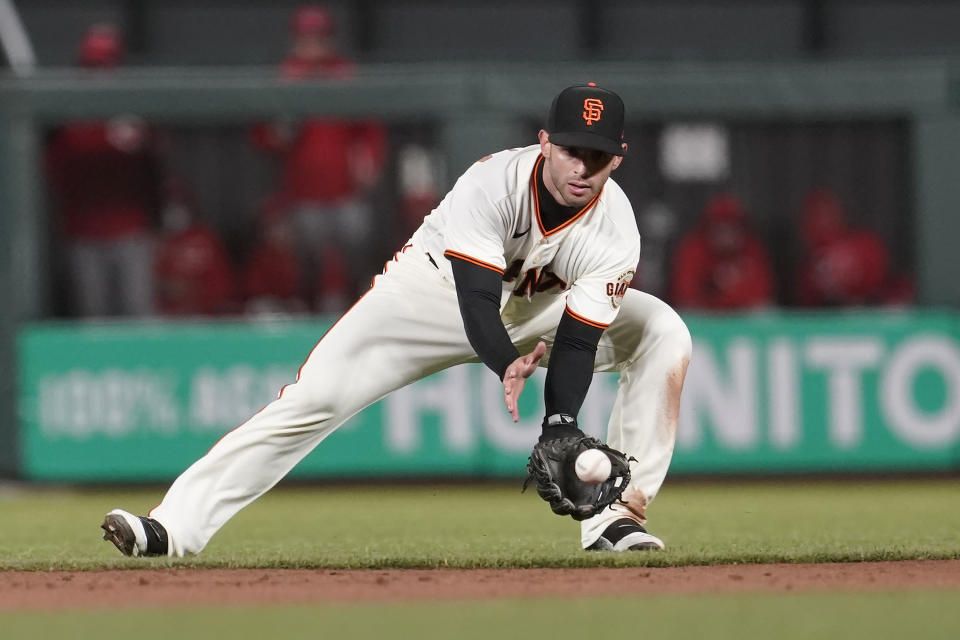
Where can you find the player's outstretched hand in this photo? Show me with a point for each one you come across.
(516, 376)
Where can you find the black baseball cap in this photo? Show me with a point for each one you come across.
(587, 116)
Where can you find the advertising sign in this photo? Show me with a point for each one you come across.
(767, 393)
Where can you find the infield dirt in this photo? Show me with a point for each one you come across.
(48, 590)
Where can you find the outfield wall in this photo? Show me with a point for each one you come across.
(862, 391)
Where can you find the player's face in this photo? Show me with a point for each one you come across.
(574, 175)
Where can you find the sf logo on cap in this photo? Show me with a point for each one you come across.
(592, 110)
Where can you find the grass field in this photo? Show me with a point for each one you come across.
(497, 526)
(444, 526)
(919, 615)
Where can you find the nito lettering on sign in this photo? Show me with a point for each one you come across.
(726, 392)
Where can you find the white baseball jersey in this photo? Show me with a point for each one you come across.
(491, 218)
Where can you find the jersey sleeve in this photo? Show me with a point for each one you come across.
(477, 228)
(595, 297)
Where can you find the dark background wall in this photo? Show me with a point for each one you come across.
(213, 32)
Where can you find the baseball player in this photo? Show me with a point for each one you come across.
(526, 262)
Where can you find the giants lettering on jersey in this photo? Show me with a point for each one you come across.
(616, 290)
(533, 281)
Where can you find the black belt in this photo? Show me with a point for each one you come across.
(432, 261)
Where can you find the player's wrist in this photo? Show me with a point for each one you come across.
(560, 425)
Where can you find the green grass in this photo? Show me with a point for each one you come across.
(927, 615)
(455, 526)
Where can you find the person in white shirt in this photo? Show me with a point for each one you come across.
(526, 262)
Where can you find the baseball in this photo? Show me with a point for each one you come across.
(592, 466)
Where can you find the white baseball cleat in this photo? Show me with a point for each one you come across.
(134, 535)
(626, 534)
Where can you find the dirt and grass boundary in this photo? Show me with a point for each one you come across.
(57, 590)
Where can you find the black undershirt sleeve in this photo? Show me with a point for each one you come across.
(478, 292)
(571, 366)
(571, 358)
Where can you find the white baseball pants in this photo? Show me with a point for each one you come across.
(408, 326)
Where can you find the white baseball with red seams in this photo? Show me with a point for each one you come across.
(592, 466)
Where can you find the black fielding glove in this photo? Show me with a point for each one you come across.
(551, 467)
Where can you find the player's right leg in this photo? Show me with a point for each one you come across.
(405, 327)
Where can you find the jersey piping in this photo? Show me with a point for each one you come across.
(576, 316)
(480, 263)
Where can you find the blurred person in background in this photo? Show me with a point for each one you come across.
(842, 265)
(104, 179)
(420, 172)
(332, 285)
(272, 275)
(329, 165)
(657, 222)
(274, 280)
(193, 271)
(722, 264)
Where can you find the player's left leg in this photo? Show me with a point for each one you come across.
(650, 346)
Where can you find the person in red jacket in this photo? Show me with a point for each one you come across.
(842, 265)
(722, 264)
(104, 182)
(329, 164)
(193, 271)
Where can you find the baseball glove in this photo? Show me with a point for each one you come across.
(551, 467)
